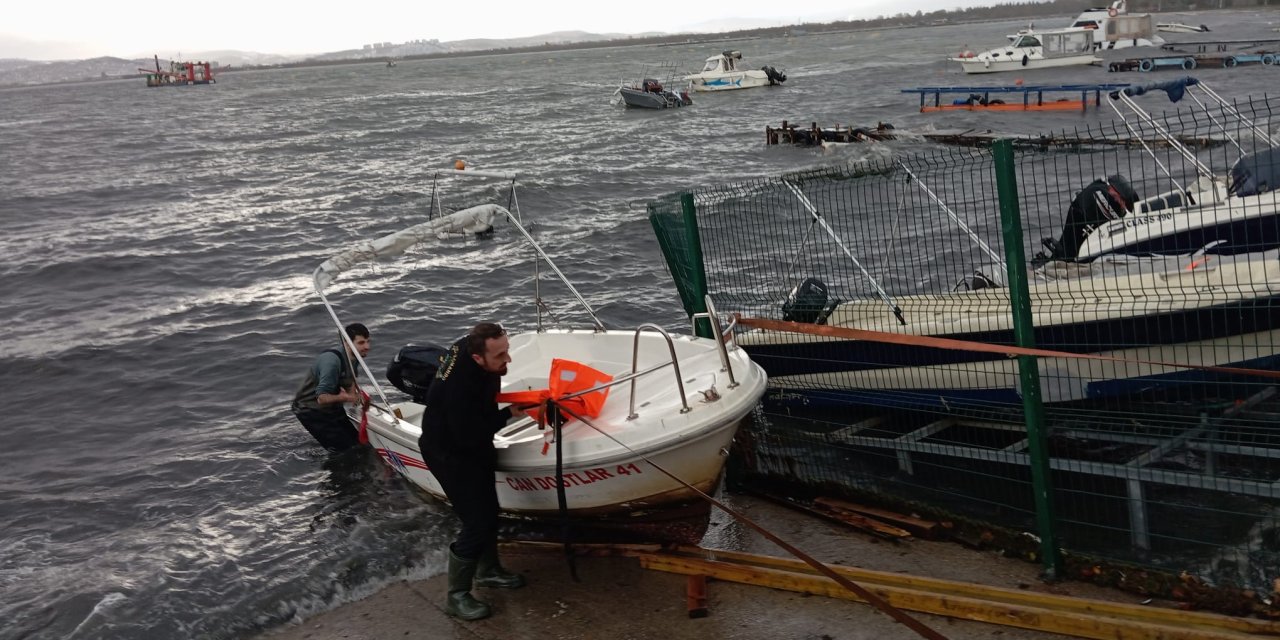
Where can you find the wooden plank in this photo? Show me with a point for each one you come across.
(917, 526)
(956, 606)
(859, 522)
(868, 577)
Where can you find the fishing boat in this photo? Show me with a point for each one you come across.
(1238, 212)
(651, 93)
(1034, 50)
(724, 72)
(180, 74)
(666, 407)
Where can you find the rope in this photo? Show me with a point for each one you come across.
(871, 598)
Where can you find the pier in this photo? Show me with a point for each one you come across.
(1020, 97)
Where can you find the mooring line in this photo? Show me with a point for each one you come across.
(871, 598)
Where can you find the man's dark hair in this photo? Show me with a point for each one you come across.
(482, 333)
(356, 329)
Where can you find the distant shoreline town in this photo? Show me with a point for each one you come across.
(27, 72)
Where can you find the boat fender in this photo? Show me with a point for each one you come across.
(1113, 12)
(1189, 63)
(1229, 61)
(1025, 59)
(1268, 59)
(1146, 65)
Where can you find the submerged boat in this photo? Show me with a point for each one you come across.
(671, 405)
(1223, 214)
(723, 72)
(1178, 27)
(651, 93)
(1034, 50)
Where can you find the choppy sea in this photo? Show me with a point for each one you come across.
(155, 265)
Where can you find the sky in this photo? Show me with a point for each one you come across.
(52, 29)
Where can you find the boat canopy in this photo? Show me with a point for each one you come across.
(472, 220)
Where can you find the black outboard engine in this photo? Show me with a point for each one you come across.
(413, 369)
(809, 303)
(775, 76)
(1100, 202)
(1255, 173)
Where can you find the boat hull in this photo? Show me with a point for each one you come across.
(612, 472)
(1240, 225)
(974, 65)
(1221, 312)
(649, 100)
(729, 81)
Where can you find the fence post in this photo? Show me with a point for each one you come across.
(1028, 371)
(699, 270)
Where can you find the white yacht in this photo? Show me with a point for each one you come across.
(1034, 50)
(725, 71)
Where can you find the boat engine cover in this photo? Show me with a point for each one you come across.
(413, 369)
(1256, 173)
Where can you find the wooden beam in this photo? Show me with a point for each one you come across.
(1026, 616)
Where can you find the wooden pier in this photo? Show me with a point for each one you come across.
(813, 136)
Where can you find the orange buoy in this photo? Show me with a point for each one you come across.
(459, 165)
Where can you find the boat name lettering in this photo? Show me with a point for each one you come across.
(571, 479)
(1138, 221)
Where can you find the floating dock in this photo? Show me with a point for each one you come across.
(1188, 62)
(813, 136)
(1016, 98)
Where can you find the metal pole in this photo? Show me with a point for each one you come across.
(698, 272)
(1028, 371)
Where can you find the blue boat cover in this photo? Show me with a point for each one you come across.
(1175, 88)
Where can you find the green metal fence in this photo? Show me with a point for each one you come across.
(1150, 458)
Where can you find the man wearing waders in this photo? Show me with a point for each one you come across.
(330, 383)
(458, 425)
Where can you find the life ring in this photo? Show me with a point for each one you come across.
(1112, 12)
(1229, 62)
(1268, 59)
(1146, 65)
(1188, 63)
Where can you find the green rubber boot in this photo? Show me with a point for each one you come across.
(490, 573)
(460, 603)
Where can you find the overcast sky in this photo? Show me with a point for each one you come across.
(52, 29)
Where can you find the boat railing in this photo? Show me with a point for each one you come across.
(723, 336)
(635, 362)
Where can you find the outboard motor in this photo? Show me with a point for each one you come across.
(775, 76)
(413, 369)
(809, 303)
(1255, 173)
(1101, 201)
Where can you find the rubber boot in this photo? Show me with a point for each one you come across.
(490, 573)
(460, 603)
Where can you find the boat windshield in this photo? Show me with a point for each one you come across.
(1086, 24)
(712, 65)
(1027, 41)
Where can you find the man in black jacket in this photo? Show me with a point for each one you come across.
(457, 443)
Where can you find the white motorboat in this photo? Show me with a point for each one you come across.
(1034, 50)
(1234, 213)
(724, 72)
(672, 409)
(1114, 27)
(1192, 310)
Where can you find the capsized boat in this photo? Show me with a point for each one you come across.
(1034, 50)
(723, 72)
(1234, 213)
(671, 405)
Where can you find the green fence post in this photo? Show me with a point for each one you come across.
(699, 269)
(1028, 372)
